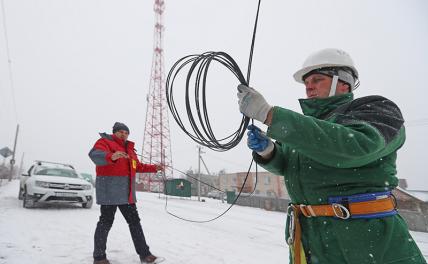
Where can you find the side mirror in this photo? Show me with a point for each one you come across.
(25, 174)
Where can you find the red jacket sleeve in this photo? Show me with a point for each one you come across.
(146, 167)
(100, 152)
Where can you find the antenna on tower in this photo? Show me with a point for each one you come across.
(156, 142)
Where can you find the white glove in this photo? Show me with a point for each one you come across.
(252, 104)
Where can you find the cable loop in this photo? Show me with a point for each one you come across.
(201, 131)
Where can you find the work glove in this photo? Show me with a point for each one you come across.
(258, 141)
(252, 104)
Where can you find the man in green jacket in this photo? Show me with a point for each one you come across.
(338, 161)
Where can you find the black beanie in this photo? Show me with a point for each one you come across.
(119, 126)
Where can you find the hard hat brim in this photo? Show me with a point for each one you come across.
(298, 76)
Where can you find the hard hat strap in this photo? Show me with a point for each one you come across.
(333, 86)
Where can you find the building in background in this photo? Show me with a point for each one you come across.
(268, 184)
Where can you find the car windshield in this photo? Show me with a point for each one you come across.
(57, 172)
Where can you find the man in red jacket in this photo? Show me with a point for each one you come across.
(116, 164)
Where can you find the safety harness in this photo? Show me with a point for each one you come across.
(370, 205)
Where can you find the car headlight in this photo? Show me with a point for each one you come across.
(87, 187)
(42, 184)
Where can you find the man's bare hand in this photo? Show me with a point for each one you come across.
(159, 167)
(118, 155)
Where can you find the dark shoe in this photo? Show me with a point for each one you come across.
(104, 261)
(151, 259)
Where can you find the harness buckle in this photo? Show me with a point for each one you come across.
(291, 226)
(394, 200)
(340, 211)
(307, 210)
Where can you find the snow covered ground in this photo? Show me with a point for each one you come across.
(53, 234)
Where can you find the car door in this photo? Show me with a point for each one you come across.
(25, 176)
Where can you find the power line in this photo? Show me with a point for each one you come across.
(9, 61)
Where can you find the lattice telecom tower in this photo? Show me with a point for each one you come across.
(157, 143)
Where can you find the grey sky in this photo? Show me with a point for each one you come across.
(80, 65)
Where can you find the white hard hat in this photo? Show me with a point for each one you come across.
(327, 58)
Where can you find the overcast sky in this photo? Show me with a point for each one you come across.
(80, 65)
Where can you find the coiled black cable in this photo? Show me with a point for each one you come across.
(201, 126)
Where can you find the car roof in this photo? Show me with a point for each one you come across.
(50, 164)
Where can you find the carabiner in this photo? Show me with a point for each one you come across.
(340, 211)
(291, 225)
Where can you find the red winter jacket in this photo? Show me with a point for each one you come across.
(113, 176)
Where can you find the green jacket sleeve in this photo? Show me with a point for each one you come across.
(359, 137)
(276, 164)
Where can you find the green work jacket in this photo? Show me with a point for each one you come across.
(342, 146)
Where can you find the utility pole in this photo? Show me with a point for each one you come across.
(21, 165)
(12, 161)
(199, 173)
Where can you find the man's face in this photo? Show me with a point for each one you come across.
(318, 86)
(122, 134)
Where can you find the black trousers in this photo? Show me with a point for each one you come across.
(129, 211)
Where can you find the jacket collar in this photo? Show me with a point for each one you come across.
(320, 107)
(116, 139)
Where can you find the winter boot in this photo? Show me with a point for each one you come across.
(104, 261)
(150, 259)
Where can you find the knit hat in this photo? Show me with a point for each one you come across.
(119, 126)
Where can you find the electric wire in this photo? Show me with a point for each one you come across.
(164, 181)
(207, 184)
(9, 61)
(218, 216)
(200, 123)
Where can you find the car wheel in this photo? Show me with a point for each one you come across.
(27, 201)
(87, 205)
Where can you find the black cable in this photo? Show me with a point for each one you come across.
(199, 121)
(218, 216)
(207, 184)
(164, 179)
(196, 179)
(202, 130)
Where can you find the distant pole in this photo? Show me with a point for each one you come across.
(12, 161)
(21, 165)
(199, 173)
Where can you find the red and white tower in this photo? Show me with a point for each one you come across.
(157, 143)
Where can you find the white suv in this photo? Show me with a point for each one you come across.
(50, 182)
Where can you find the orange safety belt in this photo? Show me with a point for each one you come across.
(333, 210)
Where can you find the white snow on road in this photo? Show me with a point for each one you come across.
(64, 234)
